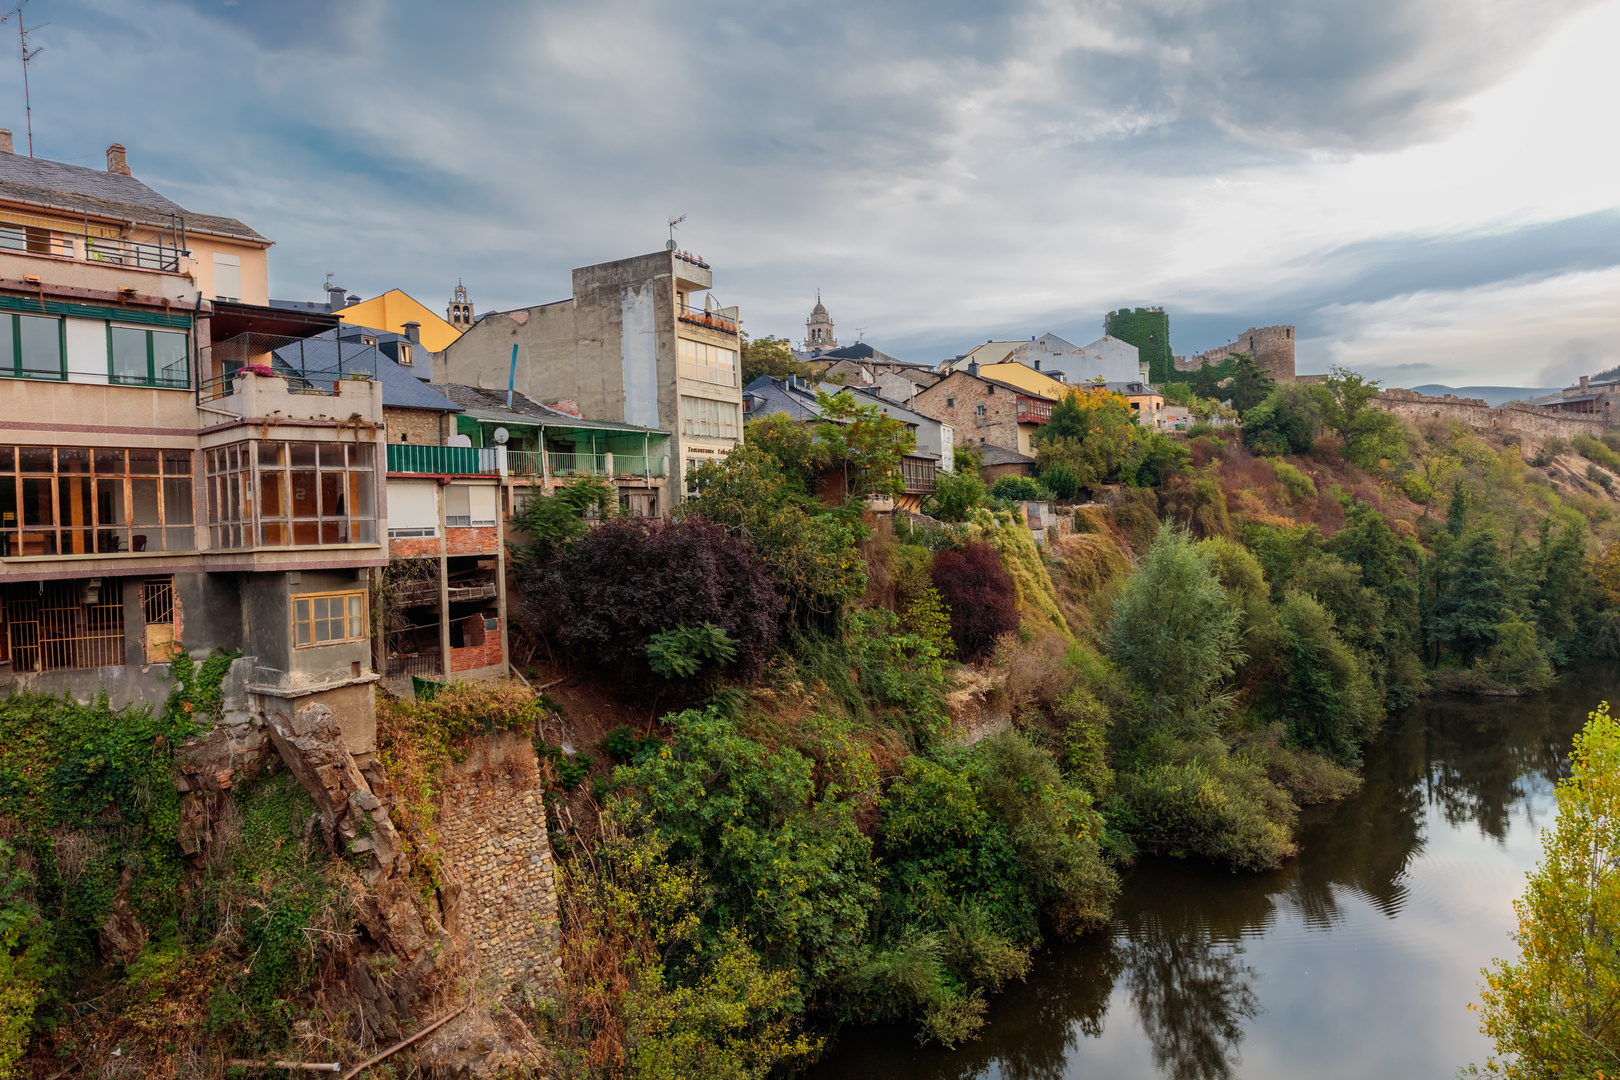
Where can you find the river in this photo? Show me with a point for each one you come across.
(1356, 960)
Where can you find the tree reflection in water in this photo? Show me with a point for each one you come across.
(1192, 996)
(1175, 949)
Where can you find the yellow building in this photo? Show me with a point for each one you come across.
(1026, 379)
(392, 310)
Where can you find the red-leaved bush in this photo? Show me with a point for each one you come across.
(628, 579)
(980, 595)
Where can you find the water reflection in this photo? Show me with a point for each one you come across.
(1175, 968)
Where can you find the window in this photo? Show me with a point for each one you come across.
(32, 347)
(708, 418)
(950, 403)
(228, 277)
(405, 353)
(65, 624)
(68, 500)
(328, 618)
(707, 363)
(978, 410)
(457, 507)
(148, 357)
(292, 494)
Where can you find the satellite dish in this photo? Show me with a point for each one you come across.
(500, 436)
(670, 246)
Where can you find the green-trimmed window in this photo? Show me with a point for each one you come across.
(32, 347)
(140, 357)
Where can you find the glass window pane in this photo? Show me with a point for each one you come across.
(143, 502)
(110, 503)
(128, 355)
(306, 533)
(109, 462)
(272, 494)
(8, 459)
(303, 454)
(303, 494)
(362, 495)
(143, 462)
(169, 366)
(362, 456)
(355, 617)
(35, 459)
(332, 455)
(72, 459)
(177, 462)
(8, 349)
(270, 453)
(41, 346)
(334, 500)
(114, 541)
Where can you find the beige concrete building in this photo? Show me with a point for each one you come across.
(636, 343)
(162, 485)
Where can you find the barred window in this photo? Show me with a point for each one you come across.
(707, 363)
(328, 618)
(708, 418)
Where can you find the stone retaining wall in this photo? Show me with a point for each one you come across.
(1524, 419)
(493, 837)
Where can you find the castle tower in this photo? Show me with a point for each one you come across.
(460, 312)
(1149, 330)
(818, 329)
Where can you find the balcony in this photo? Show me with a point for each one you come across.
(110, 251)
(562, 463)
(444, 460)
(919, 475)
(724, 320)
(1034, 410)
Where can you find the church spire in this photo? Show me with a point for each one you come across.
(818, 329)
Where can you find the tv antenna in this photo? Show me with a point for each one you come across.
(27, 58)
(674, 223)
(860, 332)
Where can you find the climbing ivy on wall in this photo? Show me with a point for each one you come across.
(1149, 330)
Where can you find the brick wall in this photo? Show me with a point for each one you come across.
(413, 547)
(955, 400)
(419, 426)
(461, 541)
(481, 648)
(1524, 419)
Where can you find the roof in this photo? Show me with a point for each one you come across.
(1555, 402)
(1025, 379)
(393, 309)
(80, 190)
(775, 396)
(1130, 389)
(991, 352)
(990, 454)
(862, 351)
(482, 404)
(323, 353)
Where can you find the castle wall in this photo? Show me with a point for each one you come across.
(1524, 419)
(1271, 346)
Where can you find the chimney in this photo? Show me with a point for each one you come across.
(351, 300)
(334, 296)
(973, 367)
(117, 159)
(413, 333)
(1584, 379)
(5, 141)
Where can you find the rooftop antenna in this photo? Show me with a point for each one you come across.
(27, 58)
(860, 332)
(674, 223)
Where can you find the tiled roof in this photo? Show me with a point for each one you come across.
(991, 454)
(75, 189)
(401, 389)
(485, 404)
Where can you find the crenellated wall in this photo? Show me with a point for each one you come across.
(1524, 419)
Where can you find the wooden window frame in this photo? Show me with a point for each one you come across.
(353, 625)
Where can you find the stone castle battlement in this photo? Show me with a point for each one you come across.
(1524, 419)
(1272, 348)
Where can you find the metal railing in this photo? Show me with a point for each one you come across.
(637, 465)
(35, 241)
(576, 464)
(524, 463)
(443, 460)
(712, 319)
(319, 383)
(134, 253)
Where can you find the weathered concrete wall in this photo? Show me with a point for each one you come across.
(492, 833)
(1524, 419)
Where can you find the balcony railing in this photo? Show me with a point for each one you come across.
(712, 319)
(1034, 411)
(443, 460)
(576, 464)
(637, 465)
(97, 249)
(528, 463)
(320, 383)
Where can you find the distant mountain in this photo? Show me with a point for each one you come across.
(1493, 395)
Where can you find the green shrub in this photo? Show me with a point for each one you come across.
(686, 650)
(1062, 480)
(1206, 803)
(1594, 450)
(956, 495)
(1017, 488)
(1600, 478)
(623, 746)
(1299, 487)
(1550, 450)
(1517, 658)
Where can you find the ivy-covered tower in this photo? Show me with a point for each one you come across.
(1149, 330)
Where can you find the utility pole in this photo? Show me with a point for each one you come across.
(27, 58)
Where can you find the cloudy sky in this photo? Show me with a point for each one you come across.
(1426, 188)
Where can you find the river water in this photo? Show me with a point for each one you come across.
(1356, 960)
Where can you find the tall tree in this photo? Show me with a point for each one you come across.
(1473, 594)
(1250, 383)
(1556, 1011)
(768, 355)
(862, 443)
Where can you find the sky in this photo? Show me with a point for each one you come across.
(1424, 188)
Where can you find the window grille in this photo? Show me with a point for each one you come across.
(65, 624)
